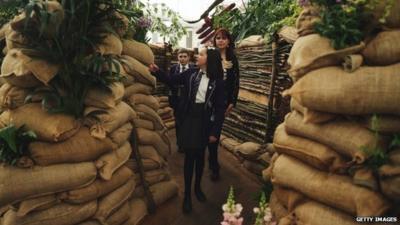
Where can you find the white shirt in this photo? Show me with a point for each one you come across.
(202, 91)
(183, 68)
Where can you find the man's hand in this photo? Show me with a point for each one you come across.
(228, 110)
(212, 139)
(153, 68)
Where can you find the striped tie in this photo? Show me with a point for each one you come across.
(196, 84)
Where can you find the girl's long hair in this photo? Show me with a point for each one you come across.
(230, 51)
(214, 64)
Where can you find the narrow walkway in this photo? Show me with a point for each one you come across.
(209, 213)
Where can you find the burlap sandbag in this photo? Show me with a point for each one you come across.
(142, 123)
(254, 167)
(164, 191)
(383, 49)
(289, 198)
(139, 71)
(148, 164)
(108, 163)
(138, 88)
(62, 214)
(311, 116)
(162, 99)
(153, 177)
(368, 90)
(23, 71)
(364, 177)
(112, 119)
(111, 45)
(394, 157)
(12, 97)
(230, 144)
(36, 204)
(138, 211)
(249, 150)
(122, 134)
(149, 152)
(149, 100)
(334, 190)
(345, 137)
(310, 152)
(251, 41)
(313, 51)
(277, 208)
(81, 147)
(145, 112)
(391, 18)
(109, 203)
(105, 99)
(139, 51)
(307, 19)
(19, 184)
(90, 222)
(148, 137)
(385, 124)
(98, 188)
(47, 126)
(14, 39)
(164, 111)
(389, 176)
(120, 215)
(265, 159)
(170, 124)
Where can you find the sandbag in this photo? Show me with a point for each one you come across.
(310, 152)
(314, 51)
(140, 51)
(111, 45)
(18, 184)
(170, 125)
(289, 198)
(311, 116)
(20, 70)
(391, 17)
(62, 214)
(390, 181)
(163, 99)
(98, 188)
(90, 222)
(108, 163)
(368, 90)
(139, 71)
(364, 177)
(105, 99)
(385, 124)
(112, 119)
(122, 134)
(57, 127)
(167, 110)
(254, 167)
(383, 49)
(36, 204)
(249, 150)
(153, 177)
(149, 152)
(278, 209)
(229, 144)
(81, 147)
(138, 88)
(352, 62)
(265, 159)
(120, 216)
(394, 157)
(14, 39)
(109, 203)
(138, 211)
(147, 137)
(148, 113)
(164, 191)
(307, 19)
(12, 97)
(334, 190)
(143, 123)
(148, 164)
(345, 137)
(251, 41)
(149, 100)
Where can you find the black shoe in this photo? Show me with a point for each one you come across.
(201, 197)
(187, 205)
(215, 176)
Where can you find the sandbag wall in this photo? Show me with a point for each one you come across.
(248, 120)
(162, 58)
(335, 156)
(84, 171)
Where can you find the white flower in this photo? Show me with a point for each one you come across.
(239, 208)
(256, 210)
(225, 208)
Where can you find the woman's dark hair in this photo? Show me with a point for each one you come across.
(214, 64)
(230, 51)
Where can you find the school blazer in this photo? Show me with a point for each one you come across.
(232, 82)
(215, 98)
(175, 70)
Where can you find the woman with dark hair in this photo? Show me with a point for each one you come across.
(201, 112)
(224, 42)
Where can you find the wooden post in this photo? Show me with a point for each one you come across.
(270, 119)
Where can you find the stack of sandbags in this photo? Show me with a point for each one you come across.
(247, 121)
(335, 160)
(81, 171)
(166, 112)
(162, 58)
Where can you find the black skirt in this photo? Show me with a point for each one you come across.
(192, 132)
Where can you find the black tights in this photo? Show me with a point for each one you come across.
(194, 161)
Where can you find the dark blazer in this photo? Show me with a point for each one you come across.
(215, 99)
(175, 69)
(232, 82)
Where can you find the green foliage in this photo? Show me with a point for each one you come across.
(72, 46)
(263, 17)
(14, 143)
